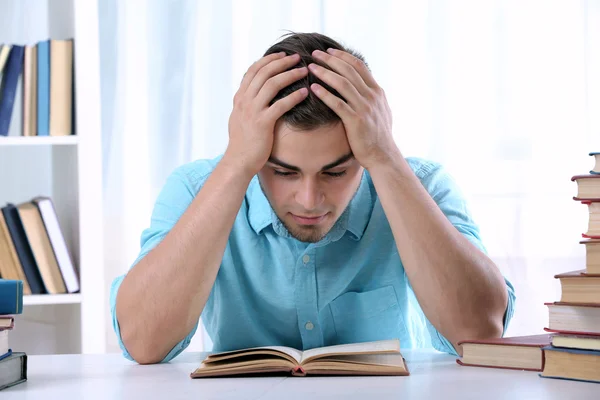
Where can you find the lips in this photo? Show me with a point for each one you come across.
(302, 220)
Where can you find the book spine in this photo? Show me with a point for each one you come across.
(11, 297)
(43, 84)
(9, 87)
(23, 249)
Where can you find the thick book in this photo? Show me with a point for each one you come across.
(581, 342)
(579, 287)
(588, 187)
(593, 231)
(579, 319)
(41, 248)
(8, 88)
(57, 240)
(592, 256)
(13, 370)
(11, 296)
(596, 169)
(519, 352)
(579, 365)
(10, 267)
(61, 87)
(369, 358)
(17, 233)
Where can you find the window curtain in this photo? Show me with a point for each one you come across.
(506, 94)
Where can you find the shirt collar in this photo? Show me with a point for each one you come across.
(353, 220)
(259, 210)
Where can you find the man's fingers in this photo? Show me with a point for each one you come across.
(339, 83)
(357, 64)
(285, 104)
(274, 84)
(269, 70)
(254, 68)
(339, 106)
(344, 69)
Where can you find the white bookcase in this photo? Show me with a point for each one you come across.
(69, 170)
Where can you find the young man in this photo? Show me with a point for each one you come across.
(311, 229)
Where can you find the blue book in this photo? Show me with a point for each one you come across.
(23, 249)
(11, 296)
(8, 88)
(571, 364)
(43, 82)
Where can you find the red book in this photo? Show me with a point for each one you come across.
(519, 352)
(588, 187)
(578, 319)
(579, 287)
(593, 231)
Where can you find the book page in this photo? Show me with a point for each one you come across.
(392, 359)
(296, 354)
(273, 350)
(381, 346)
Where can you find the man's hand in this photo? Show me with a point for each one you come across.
(252, 120)
(366, 114)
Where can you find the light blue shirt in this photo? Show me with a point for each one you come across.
(272, 290)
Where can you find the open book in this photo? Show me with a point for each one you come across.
(370, 358)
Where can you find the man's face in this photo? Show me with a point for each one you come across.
(310, 179)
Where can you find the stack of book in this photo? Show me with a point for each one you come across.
(13, 365)
(33, 249)
(575, 349)
(36, 90)
(571, 347)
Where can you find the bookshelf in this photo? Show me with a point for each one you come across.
(69, 170)
(38, 141)
(44, 299)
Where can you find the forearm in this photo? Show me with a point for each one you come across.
(161, 298)
(458, 287)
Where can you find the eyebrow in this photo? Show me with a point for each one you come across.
(334, 164)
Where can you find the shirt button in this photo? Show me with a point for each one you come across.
(309, 326)
(306, 258)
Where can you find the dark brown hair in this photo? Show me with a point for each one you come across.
(311, 113)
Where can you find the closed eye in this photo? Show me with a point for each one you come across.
(335, 174)
(283, 173)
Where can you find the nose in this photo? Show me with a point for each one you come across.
(309, 195)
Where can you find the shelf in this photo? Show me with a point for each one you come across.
(48, 299)
(38, 140)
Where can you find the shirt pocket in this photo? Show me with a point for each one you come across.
(367, 316)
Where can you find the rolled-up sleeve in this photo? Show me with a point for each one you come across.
(174, 198)
(449, 198)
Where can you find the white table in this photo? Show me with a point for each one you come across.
(433, 376)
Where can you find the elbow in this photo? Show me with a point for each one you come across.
(140, 341)
(141, 346)
(490, 326)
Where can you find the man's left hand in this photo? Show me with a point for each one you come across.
(366, 115)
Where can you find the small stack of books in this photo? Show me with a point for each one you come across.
(13, 365)
(33, 248)
(571, 348)
(575, 349)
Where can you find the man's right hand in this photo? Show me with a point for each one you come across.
(252, 121)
